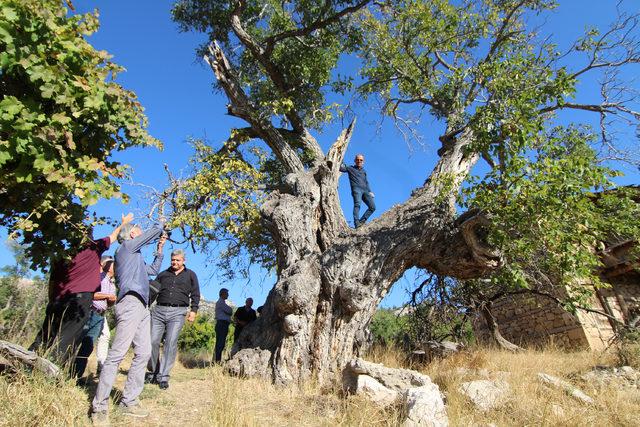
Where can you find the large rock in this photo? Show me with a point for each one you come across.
(441, 349)
(250, 362)
(424, 407)
(421, 398)
(394, 379)
(563, 385)
(485, 394)
(374, 391)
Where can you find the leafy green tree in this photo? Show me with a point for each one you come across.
(493, 85)
(198, 335)
(387, 327)
(62, 115)
(22, 299)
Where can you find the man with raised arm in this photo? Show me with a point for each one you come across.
(179, 288)
(360, 190)
(72, 285)
(132, 321)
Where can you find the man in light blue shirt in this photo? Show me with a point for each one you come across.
(223, 320)
(132, 321)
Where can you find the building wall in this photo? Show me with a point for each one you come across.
(531, 320)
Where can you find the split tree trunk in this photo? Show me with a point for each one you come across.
(331, 278)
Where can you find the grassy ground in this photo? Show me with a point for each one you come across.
(205, 396)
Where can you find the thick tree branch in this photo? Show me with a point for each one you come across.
(241, 106)
(275, 75)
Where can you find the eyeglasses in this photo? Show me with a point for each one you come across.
(359, 160)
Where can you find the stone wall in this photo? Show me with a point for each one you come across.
(529, 321)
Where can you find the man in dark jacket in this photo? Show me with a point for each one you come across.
(360, 190)
(178, 288)
(243, 316)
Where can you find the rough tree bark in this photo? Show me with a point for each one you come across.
(331, 278)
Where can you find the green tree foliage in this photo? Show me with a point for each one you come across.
(22, 299)
(478, 67)
(494, 83)
(387, 327)
(199, 335)
(61, 117)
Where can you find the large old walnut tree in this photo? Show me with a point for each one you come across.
(477, 67)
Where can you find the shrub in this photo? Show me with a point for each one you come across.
(199, 335)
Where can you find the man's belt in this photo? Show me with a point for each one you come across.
(172, 305)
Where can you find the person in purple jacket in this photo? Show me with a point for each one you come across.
(132, 321)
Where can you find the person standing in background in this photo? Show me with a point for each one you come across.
(223, 319)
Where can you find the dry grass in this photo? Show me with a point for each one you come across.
(202, 396)
(530, 402)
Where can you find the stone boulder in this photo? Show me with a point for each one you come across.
(424, 406)
(567, 387)
(485, 394)
(422, 402)
(441, 349)
(250, 363)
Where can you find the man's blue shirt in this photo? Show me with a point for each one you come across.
(357, 177)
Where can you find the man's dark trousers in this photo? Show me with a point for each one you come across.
(63, 326)
(222, 329)
(360, 194)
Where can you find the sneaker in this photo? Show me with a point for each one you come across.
(163, 385)
(134, 411)
(100, 418)
(150, 378)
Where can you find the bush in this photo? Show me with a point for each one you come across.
(388, 328)
(199, 335)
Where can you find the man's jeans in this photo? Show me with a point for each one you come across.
(167, 322)
(132, 327)
(222, 329)
(92, 330)
(360, 194)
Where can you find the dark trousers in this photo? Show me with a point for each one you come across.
(63, 326)
(361, 195)
(222, 329)
(236, 332)
(92, 330)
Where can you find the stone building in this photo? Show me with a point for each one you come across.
(531, 320)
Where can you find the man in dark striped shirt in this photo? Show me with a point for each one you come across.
(179, 288)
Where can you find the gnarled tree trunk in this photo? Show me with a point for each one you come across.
(331, 278)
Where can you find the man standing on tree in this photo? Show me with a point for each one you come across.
(243, 316)
(223, 319)
(178, 287)
(360, 190)
(72, 285)
(132, 321)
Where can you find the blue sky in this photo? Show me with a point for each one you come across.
(176, 91)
